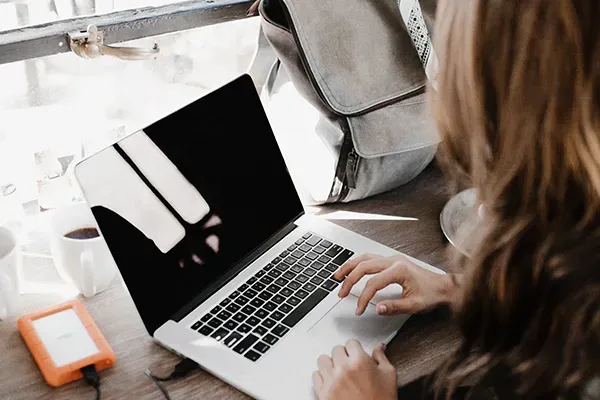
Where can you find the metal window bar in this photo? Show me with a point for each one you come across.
(121, 26)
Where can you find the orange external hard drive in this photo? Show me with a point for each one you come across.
(63, 339)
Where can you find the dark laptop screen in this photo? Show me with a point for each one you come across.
(170, 247)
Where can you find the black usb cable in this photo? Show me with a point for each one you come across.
(92, 378)
(181, 370)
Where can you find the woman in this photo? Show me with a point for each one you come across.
(518, 107)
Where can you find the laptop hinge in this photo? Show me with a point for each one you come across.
(240, 266)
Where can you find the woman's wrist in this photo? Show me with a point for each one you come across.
(451, 286)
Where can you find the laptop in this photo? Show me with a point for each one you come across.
(222, 262)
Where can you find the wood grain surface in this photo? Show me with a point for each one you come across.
(418, 348)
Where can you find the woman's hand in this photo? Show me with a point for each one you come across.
(423, 290)
(351, 374)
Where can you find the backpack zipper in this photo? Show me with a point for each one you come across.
(352, 168)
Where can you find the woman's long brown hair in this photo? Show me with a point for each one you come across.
(518, 108)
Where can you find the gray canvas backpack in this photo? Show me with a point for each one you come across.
(346, 97)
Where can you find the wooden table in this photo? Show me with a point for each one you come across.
(419, 347)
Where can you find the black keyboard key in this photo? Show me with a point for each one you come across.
(206, 330)
(252, 355)
(276, 260)
(317, 280)
(281, 282)
(297, 254)
(284, 254)
(280, 330)
(334, 250)
(289, 275)
(257, 303)
(250, 293)
(251, 281)
(242, 301)
(326, 243)
(242, 288)
(225, 302)
(274, 288)
(260, 330)
(268, 267)
(312, 256)
(309, 272)
(233, 308)
(263, 348)
(220, 334)
(306, 235)
(234, 294)
(309, 287)
(259, 287)
(332, 267)
(294, 301)
(267, 280)
(319, 250)
(270, 306)
(317, 265)
(215, 322)
(313, 241)
(302, 293)
(232, 339)
(253, 321)
(324, 274)
(231, 325)
(248, 310)
(197, 325)
(206, 318)
(302, 278)
(270, 339)
(305, 307)
(239, 317)
(215, 310)
(268, 323)
(244, 328)
(265, 295)
(275, 273)
(286, 292)
(245, 344)
(224, 315)
(304, 262)
(278, 299)
(261, 314)
(324, 259)
(292, 248)
(294, 285)
(329, 285)
(343, 257)
(260, 273)
(305, 248)
(277, 315)
(285, 308)
(283, 267)
(297, 269)
(290, 260)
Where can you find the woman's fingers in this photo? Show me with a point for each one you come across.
(325, 364)
(400, 306)
(374, 285)
(371, 266)
(318, 381)
(350, 265)
(339, 355)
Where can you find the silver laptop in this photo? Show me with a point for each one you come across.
(214, 246)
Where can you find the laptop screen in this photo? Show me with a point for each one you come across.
(185, 199)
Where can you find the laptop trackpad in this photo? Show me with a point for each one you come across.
(341, 324)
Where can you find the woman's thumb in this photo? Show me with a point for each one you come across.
(380, 357)
(400, 306)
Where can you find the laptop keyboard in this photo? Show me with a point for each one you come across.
(255, 316)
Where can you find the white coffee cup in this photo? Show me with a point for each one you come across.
(85, 263)
(10, 264)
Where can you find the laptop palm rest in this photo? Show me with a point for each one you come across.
(341, 324)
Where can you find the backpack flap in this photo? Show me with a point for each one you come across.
(361, 61)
